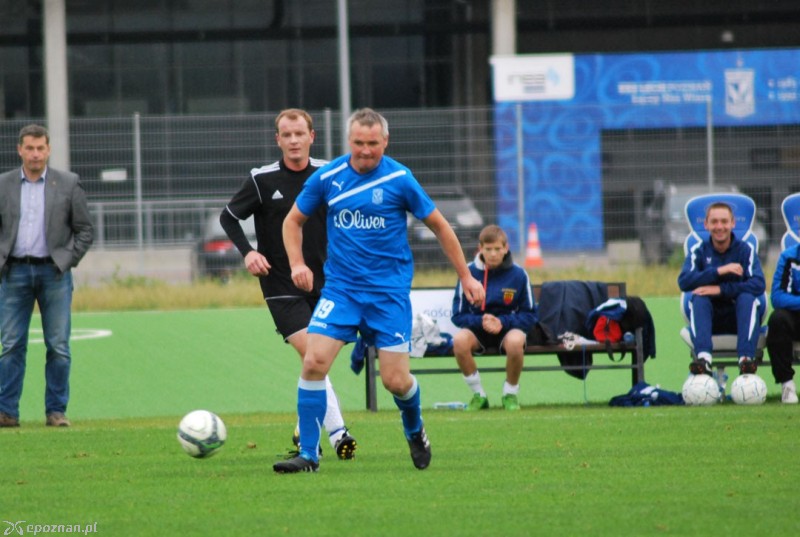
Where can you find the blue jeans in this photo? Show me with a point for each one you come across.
(20, 287)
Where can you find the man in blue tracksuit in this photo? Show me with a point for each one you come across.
(724, 276)
(784, 322)
(502, 321)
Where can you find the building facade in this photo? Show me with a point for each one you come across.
(242, 56)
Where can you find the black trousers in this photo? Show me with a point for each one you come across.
(784, 328)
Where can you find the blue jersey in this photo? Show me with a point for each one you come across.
(367, 222)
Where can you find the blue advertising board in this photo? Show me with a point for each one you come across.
(565, 102)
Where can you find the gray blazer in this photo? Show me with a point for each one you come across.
(68, 225)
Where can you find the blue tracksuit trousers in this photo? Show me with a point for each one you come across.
(714, 315)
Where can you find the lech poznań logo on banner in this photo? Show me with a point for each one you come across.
(740, 92)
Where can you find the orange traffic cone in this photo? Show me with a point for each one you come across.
(533, 253)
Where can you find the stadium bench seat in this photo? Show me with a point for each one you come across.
(437, 303)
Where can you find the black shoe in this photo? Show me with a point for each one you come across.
(346, 446)
(747, 365)
(700, 367)
(420, 449)
(295, 465)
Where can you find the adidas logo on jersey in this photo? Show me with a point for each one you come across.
(277, 195)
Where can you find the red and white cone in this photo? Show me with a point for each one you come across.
(533, 252)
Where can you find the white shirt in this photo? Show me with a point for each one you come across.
(31, 236)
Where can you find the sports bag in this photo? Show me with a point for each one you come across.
(607, 330)
(642, 394)
(614, 318)
(604, 322)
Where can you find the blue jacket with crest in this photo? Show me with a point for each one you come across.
(700, 268)
(508, 297)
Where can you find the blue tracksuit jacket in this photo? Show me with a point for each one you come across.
(785, 291)
(508, 297)
(740, 306)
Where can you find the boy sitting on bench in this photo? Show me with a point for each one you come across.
(502, 321)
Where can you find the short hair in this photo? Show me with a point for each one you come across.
(492, 233)
(294, 113)
(37, 131)
(368, 117)
(718, 205)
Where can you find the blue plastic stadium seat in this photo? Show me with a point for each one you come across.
(744, 210)
(790, 208)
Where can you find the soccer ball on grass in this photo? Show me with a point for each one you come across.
(201, 433)
(701, 390)
(749, 389)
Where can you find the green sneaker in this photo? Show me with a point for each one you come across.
(510, 402)
(479, 402)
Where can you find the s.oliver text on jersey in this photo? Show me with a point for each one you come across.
(347, 219)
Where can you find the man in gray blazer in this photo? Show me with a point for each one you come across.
(45, 230)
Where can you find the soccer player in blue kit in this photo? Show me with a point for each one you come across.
(367, 277)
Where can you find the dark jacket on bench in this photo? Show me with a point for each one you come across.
(563, 307)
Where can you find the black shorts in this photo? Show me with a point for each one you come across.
(291, 314)
(487, 340)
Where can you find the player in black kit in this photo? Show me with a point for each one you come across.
(267, 195)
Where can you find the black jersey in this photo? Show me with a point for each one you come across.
(268, 194)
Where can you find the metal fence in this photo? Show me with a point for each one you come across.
(153, 180)
(157, 170)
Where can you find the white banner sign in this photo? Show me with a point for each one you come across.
(534, 77)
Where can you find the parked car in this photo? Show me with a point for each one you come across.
(214, 255)
(460, 211)
(664, 227)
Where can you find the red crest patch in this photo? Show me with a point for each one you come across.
(508, 296)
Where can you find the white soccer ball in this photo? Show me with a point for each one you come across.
(701, 390)
(749, 389)
(201, 433)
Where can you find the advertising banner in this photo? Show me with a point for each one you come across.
(565, 102)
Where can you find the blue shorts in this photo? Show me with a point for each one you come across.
(384, 319)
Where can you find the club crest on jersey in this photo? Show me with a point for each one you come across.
(377, 196)
(508, 296)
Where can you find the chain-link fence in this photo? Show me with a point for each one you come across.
(153, 181)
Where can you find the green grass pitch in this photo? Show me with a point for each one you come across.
(567, 464)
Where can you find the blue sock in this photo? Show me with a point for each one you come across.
(410, 409)
(312, 404)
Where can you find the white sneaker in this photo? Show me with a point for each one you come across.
(789, 393)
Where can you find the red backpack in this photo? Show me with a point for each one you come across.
(607, 330)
